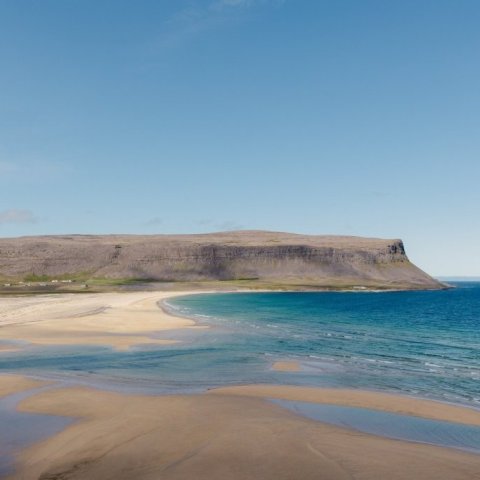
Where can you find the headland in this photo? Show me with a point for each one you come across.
(225, 260)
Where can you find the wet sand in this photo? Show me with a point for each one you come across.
(6, 348)
(217, 436)
(118, 320)
(10, 384)
(286, 366)
(17, 430)
(359, 398)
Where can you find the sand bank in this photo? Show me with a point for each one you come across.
(359, 398)
(6, 348)
(286, 366)
(10, 384)
(119, 320)
(217, 437)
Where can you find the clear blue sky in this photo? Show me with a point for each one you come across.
(336, 117)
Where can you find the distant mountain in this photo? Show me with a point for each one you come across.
(268, 259)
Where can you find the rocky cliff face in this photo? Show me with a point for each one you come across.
(278, 258)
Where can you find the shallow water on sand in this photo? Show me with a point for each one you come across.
(392, 425)
(18, 430)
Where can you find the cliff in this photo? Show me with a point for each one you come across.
(268, 258)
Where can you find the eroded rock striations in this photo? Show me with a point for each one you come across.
(268, 257)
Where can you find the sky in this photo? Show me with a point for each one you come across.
(307, 116)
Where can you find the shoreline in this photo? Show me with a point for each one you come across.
(116, 320)
(142, 333)
(11, 383)
(218, 286)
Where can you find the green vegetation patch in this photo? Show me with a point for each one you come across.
(74, 277)
(117, 281)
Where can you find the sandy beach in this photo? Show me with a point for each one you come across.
(225, 433)
(217, 436)
(118, 320)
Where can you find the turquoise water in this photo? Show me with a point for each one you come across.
(421, 343)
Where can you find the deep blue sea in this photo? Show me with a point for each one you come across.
(424, 343)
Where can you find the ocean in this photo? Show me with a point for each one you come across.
(422, 343)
